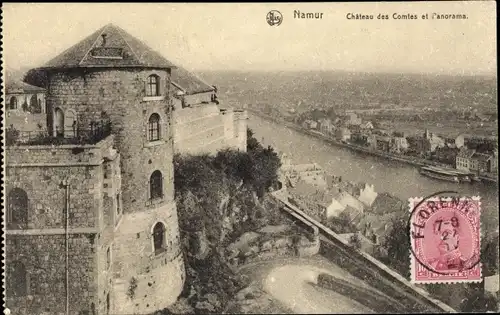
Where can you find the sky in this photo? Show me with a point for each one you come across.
(234, 36)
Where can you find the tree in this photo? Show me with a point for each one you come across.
(252, 143)
(397, 245)
(210, 190)
(355, 241)
(265, 165)
(489, 254)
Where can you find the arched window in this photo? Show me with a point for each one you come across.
(156, 185)
(17, 279)
(159, 237)
(59, 122)
(17, 208)
(154, 127)
(153, 85)
(13, 103)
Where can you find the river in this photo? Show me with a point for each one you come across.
(397, 178)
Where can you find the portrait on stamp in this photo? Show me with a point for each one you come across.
(446, 240)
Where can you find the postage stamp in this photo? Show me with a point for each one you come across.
(445, 239)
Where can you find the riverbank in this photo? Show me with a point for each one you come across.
(404, 159)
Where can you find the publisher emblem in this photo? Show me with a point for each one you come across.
(274, 18)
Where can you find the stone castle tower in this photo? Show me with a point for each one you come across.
(122, 223)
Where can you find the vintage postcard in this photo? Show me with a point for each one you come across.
(233, 158)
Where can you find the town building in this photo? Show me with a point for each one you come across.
(325, 203)
(312, 174)
(418, 144)
(367, 125)
(464, 159)
(310, 124)
(343, 134)
(360, 137)
(352, 119)
(364, 192)
(494, 161)
(471, 160)
(25, 106)
(399, 144)
(375, 229)
(434, 140)
(383, 143)
(320, 202)
(92, 223)
(455, 142)
(326, 126)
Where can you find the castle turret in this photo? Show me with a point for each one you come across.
(112, 76)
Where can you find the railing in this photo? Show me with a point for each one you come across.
(92, 135)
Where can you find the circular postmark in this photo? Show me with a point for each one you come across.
(274, 18)
(445, 232)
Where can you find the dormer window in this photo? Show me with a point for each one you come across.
(153, 85)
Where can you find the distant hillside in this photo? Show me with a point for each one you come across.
(322, 89)
(12, 74)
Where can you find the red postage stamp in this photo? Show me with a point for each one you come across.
(445, 236)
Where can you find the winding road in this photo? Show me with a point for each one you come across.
(295, 286)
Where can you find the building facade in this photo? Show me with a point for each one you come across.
(25, 106)
(102, 232)
(343, 134)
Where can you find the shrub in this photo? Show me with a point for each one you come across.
(11, 135)
(214, 194)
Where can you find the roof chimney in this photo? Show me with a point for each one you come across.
(103, 40)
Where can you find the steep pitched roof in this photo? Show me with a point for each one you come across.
(188, 82)
(320, 196)
(16, 86)
(118, 49)
(386, 203)
(481, 157)
(466, 153)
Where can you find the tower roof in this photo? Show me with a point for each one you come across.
(110, 46)
(189, 82)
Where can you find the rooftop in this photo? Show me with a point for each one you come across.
(465, 153)
(319, 195)
(386, 203)
(109, 46)
(188, 82)
(481, 156)
(16, 86)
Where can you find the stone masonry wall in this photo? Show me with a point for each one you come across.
(240, 129)
(40, 171)
(160, 277)
(93, 173)
(117, 95)
(199, 129)
(44, 257)
(120, 96)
